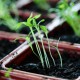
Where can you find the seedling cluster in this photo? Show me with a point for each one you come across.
(31, 23)
(5, 15)
(65, 11)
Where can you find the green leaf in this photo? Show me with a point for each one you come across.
(20, 24)
(44, 29)
(62, 6)
(24, 23)
(28, 38)
(7, 74)
(41, 21)
(37, 16)
(30, 18)
(34, 23)
(28, 23)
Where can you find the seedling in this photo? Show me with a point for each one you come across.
(64, 10)
(7, 73)
(31, 23)
(5, 17)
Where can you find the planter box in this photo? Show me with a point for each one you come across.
(8, 37)
(7, 43)
(12, 76)
(24, 51)
(11, 36)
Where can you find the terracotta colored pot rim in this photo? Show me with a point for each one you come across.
(61, 45)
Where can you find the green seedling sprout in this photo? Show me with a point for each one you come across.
(46, 32)
(59, 52)
(56, 47)
(64, 10)
(38, 30)
(31, 23)
(5, 16)
(7, 73)
(43, 4)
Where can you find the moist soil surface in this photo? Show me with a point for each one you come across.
(70, 68)
(7, 46)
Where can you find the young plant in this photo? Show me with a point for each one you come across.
(64, 10)
(5, 17)
(43, 4)
(31, 23)
(7, 73)
(43, 28)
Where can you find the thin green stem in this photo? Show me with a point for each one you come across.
(50, 50)
(30, 44)
(38, 48)
(56, 47)
(45, 54)
(59, 56)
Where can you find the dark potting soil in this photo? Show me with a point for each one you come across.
(7, 46)
(70, 68)
(68, 38)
